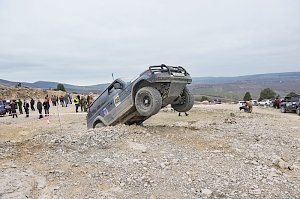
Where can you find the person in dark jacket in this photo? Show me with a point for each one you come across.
(26, 108)
(76, 102)
(46, 106)
(32, 104)
(14, 108)
(70, 98)
(20, 103)
(39, 107)
(61, 100)
(66, 99)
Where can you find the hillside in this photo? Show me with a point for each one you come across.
(259, 78)
(236, 87)
(216, 87)
(52, 85)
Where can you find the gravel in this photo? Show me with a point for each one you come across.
(215, 152)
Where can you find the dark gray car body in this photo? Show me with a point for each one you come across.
(290, 104)
(116, 104)
(2, 108)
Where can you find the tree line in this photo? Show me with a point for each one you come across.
(266, 93)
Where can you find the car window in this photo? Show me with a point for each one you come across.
(295, 99)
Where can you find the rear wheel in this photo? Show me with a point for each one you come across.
(148, 101)
(185, 101)
(282, 109)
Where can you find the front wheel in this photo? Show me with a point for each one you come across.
(185, 102)
(98, 124)
(282, 109)
(148, 101)
(298, 111)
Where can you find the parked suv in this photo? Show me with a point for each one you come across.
(2, 108)
(264, 102)
(136, 101)
(290, 104)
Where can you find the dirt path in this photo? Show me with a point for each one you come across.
(215, 152)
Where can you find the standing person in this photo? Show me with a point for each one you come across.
(81, 102)
(46, 106)
(66, 99)
(39, 107)
(32, 104)
(70, 98)
(20, 103)
(88, 99)
(84, 103)
(53, 99)
(26, 108)
(61, 99)
(14, 107)
(76, 102)
(249, 106)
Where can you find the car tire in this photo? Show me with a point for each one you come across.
(282, 109)
(186, 101)
(98, 124)
(298, 111)
(148, 101)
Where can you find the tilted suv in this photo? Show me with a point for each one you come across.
(136, 101)
(290, 104)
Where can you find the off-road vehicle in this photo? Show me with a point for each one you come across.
(290, 104)
(136, 101)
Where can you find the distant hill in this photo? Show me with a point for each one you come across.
(236, 87)
(258, 78)
(214, 87)
(53, 85)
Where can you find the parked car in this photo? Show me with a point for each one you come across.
(2, 108)
(264, 102)
(134, 102)
(254, 102)
(241, 103)
(217, 101)
(290, 104)
(7, 106)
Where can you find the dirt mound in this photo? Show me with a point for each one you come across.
(9, 92)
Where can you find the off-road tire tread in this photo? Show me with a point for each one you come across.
(156, 101)
(189, 102)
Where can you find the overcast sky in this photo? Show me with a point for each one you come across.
(84, 42)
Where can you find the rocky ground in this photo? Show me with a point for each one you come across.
(215, 152)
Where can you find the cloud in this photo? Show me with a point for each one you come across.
(84, 42)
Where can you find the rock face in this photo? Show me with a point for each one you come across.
(199, 156)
